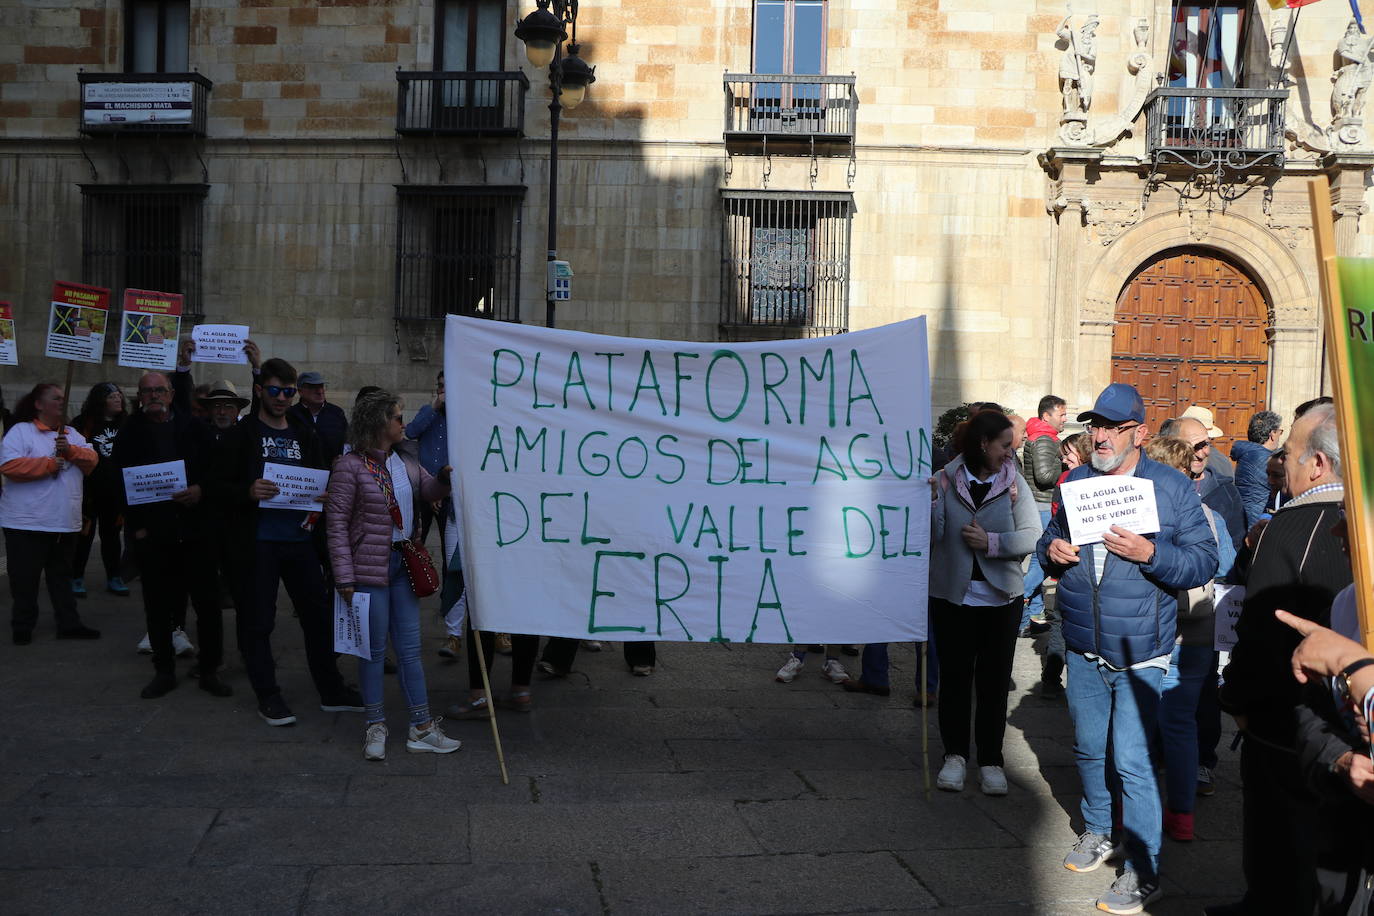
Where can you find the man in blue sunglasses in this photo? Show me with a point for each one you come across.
(273, 546)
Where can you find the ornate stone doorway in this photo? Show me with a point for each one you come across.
(1193, 328)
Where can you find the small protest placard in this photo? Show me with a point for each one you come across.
(1093, 505)
(9, 352)
(297, 487)
(154, 483)
(351, 625)
(1228, 600)
(150, 329)
(219, 343)
(76, 322)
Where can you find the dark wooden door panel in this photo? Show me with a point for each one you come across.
(1192, 329)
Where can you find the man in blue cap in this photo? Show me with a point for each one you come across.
(1118, 601)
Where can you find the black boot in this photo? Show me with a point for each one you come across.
(162, 684)
(212, 685)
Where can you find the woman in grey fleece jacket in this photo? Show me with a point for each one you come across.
(983, 524)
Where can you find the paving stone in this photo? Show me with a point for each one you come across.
(700, 754)
(841, 882)
(380, 789)
(177, 790)
(154, 891)
(728, 785)
(38, 837)
(332, 836)
(757, 697)
(823, 825)
(558, 888)
(651, 830)
(76, 756)
(1026, 876)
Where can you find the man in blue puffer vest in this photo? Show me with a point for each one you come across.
(1118, 601)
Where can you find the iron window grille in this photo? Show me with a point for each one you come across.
(144, 237)
(458, 252)
(785, 264)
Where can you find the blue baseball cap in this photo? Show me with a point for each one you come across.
(1117, 403)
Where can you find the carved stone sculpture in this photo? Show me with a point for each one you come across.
(1076, 70)
(1121, 123)
(1349, 85)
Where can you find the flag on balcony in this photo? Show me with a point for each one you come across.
(1294, 4)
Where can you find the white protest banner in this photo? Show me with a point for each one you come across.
(1094, 504)
(1228, 600)
(150, 329)
(297, 487)
(154, 483)
(219, 343)
(351, 625)
(76, 322)
(645, 489)
(9, 352)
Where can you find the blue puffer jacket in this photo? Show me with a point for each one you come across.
(1130, 616)
(430, 426)
(1251, 458)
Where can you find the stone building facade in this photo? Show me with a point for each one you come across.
(1069, 201)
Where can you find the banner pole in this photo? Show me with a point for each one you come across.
(925, 719)
(67, 395)
(491, 705)
(1337, 347)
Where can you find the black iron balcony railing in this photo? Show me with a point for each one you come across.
(785, 106)
(156, 103)
(489, 103)
(1235, 130)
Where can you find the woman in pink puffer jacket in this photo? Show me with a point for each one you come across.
(374, 492)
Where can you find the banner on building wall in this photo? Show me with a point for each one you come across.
(137, 103)
(9, 351)
(76, 322)
(635, 489)
(150, 330)
(1348, 310)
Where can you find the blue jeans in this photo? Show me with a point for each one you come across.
(874, 670)
(394, 609)
(1188, 672)
(1124, 705)
(1035, 580)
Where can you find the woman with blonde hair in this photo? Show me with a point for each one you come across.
(374, 492)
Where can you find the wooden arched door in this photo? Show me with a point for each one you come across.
(1192, 328)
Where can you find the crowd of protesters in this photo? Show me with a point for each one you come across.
(1127, 637)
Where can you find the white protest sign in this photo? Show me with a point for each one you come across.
(351, 625)
(1228, 600)
(219, 343)
(636, 489)
(154, 483)
(297, 487)
(1094, 504)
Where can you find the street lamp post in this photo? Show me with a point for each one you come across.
(543, 32)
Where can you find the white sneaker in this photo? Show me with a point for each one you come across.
(951, 778)
(374, 747)
(144, 646)
(789, 671)
(432, 741)
(833, 670)
(993, 779)
(181, 643)
(591, 645)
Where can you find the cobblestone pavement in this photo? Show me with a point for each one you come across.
(705, 788)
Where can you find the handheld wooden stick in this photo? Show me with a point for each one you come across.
(491, 706)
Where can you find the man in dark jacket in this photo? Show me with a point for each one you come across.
(171, 538)
(329, 420)
(1041, 467)
(273, 546)
(1118, 602)
(1251, 456)
(1218, 493)
(1297, 566)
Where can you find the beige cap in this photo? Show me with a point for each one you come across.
(1204, 416)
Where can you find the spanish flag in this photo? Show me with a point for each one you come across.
(1294, 4)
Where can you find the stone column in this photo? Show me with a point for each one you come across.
(1071, 171)
(1348, 173)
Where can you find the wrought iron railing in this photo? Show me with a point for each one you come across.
(785, 263)
(781, 105)
(158, 103)
(1235, 130)
(461, 103)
